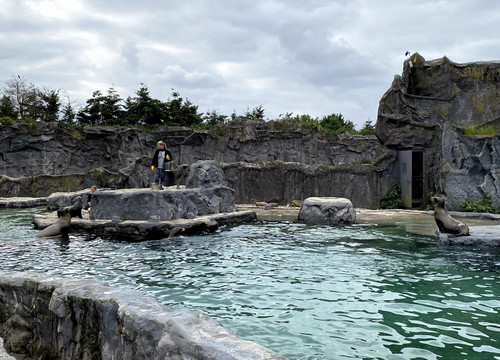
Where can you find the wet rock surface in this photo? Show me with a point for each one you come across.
(151, 229)
(488, 236)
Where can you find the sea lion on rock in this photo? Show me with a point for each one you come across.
(444, 222)
(75, 209)
(60, 227)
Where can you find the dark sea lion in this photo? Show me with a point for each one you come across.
(60, 227)
(444, 222)
(176, 231)
(75, 209)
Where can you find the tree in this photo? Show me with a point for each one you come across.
(68, 113)
(181, 112)
(307, 121)
(112, 108)
(50, 104)
(257, 113)
(23, 96)
(213, 118)
(368, 128)
(102, 110)
(91, 114)
(336, 124)
(7, 108)
(143, 109)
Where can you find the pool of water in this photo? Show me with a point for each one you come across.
(306, 292)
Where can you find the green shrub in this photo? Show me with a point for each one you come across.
(481, 130)
(392, 200)
(5, 120)
(336, 124)
(367, 129)
(481, 206)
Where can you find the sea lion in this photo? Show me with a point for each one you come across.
(75, 209)
(60, 227)
(175, 231)
(444, 222)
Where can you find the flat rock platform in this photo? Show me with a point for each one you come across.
(22, 202)
(139, 230)
(487, 235)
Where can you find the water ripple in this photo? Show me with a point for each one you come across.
(307, 292)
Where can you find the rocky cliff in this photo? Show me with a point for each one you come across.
(260, 163)
(427, 107)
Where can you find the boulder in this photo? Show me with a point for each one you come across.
(205, 174)
(205, 193)
(329, 210)
(169, 204)
(60, 200)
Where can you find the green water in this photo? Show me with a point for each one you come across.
(306, 292)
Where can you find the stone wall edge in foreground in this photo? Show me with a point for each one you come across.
(48, 317)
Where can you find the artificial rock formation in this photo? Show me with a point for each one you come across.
(38, 162)
(206, 192)
(43, 317)
(425, 109)
(205, 203)
(480, 236)
(428, 106)
(327, 210)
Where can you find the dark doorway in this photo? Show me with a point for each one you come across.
(417, 178)
(411, 177)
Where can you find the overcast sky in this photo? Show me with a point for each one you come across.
(314, 57)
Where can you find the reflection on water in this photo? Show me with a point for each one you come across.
(307, 292)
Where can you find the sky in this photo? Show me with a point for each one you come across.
(315, 57)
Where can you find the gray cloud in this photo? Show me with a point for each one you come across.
(316, 57)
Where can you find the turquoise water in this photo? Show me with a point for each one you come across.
(306, 292)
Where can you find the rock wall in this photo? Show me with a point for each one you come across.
(42, 317)
(470, 167)
(282, 182)
(50, 158)
(427, 107)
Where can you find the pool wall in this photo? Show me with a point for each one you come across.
(45, 317)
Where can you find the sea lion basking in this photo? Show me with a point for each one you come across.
(60, 227)
(444, 222)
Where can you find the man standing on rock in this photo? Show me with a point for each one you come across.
(161, 163)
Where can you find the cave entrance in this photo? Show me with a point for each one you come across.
(411, 177)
